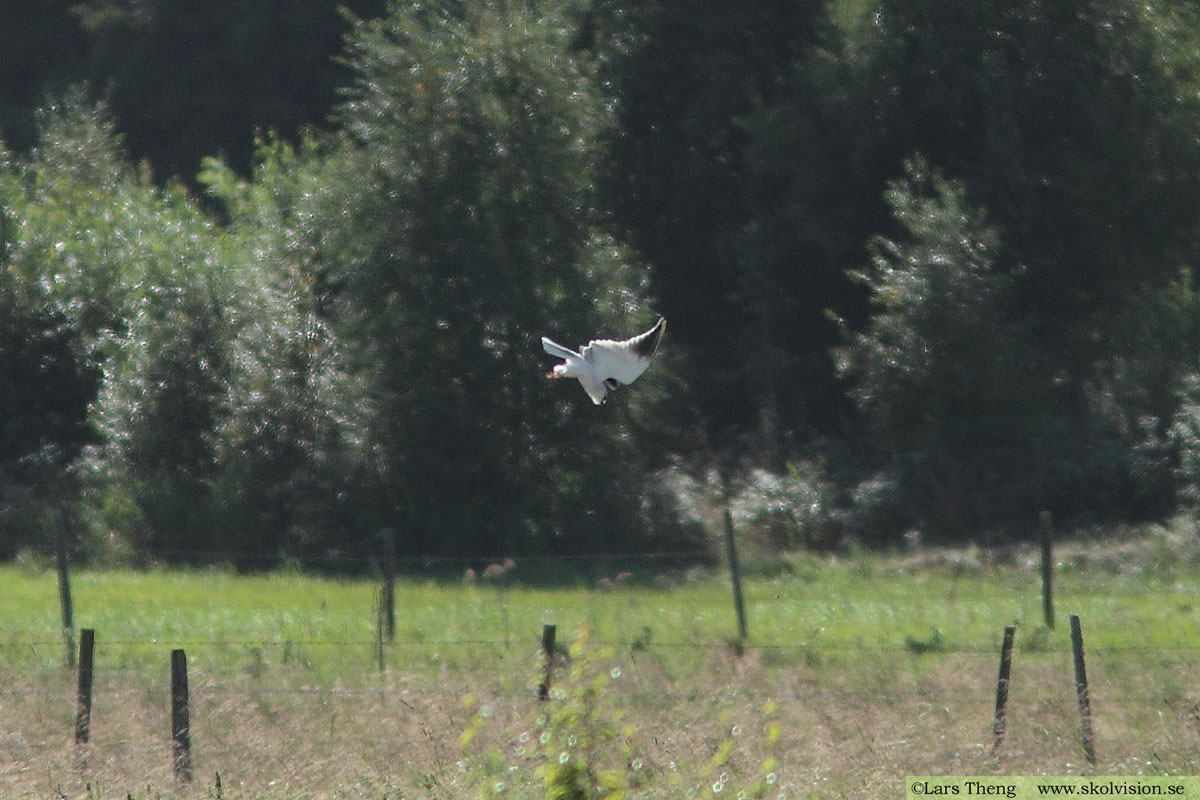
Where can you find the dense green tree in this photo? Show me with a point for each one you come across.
(45, 369)
(48, 385)
(140, 274)
(1072, 124)
(456, 229)
(290, 445)
(354, 346)
(749, 160)
(219, 417)
(957, 386)
(733, 167)
(359, 347)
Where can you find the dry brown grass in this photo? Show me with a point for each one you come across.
(853, 725)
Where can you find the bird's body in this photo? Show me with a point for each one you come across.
(603, 365)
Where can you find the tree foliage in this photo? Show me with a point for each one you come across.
(732, 169)
(458, 228)
(926, 264)
(961, 396)
(136, 273)
(1069, 123)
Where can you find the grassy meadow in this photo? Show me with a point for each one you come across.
(860, 669)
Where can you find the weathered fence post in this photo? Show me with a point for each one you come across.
(83, 706)
(1046, 532)
(735, 574)
(389, 585)
(380, 657)
(1081, 691)
(181, 743)
(548, 632)
(64, 590)
(1002, 688)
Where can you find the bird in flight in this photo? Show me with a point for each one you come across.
(604, 365)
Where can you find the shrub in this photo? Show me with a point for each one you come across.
(789, 510)
(1184, 436)
(582, 746)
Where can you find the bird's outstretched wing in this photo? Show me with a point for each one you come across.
(624, 361)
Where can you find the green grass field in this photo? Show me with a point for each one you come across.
(860, 669)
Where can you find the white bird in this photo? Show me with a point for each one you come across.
(604, 365)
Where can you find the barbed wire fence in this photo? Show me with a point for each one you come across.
(215, 679)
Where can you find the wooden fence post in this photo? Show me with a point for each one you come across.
(1046, 532)
(181, 743)
(735, 574)
(389, 585)
(548, 632)
(64, 590)
(380, 650)
(1002, 688)
(1081, 692)
(83, 706)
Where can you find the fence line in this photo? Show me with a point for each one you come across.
(534, 641)
(933, 697)
(531, 645)
(980, 696)
(218, 558)
(535, 647)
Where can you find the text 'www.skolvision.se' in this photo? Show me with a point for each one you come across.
(1027, 787)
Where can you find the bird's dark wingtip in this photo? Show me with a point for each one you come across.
(647, 343)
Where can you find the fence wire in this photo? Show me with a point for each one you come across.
(369, 725)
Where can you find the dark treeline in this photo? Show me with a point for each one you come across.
(274, 282)
(184, 80)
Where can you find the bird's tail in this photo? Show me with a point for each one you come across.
(557, 350)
